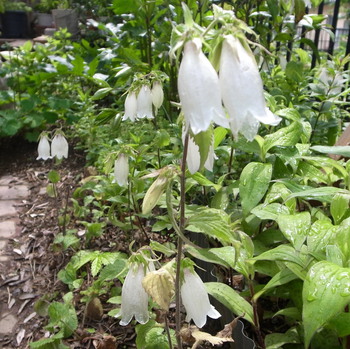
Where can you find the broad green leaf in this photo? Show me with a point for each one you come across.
(204, 254)
(202, 180)
(101, 93)
(284, 253)
(326, 293)
(323, 194)
(308, 171)
(271, 211)
(295, 227)
(212, 222)
(219, 135)
(319, 235)
(339, 206)
(277, 340)
(342, 240)
(231, 300)
(254, 182)
(204, 140)
(341, 324)
(286, 136)
(281, 278)
(337, 150)
(227, 254)
(292, 312)
(114, 270)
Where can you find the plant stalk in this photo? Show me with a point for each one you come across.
(180, 243)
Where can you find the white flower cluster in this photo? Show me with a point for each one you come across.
(59, 147)
(139, 105)
(193, 293)
(238, 86)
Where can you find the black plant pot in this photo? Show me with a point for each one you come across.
(14, 24)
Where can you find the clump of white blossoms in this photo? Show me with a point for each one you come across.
(196, 300)
(59, 146)
(242, 90)
(199, 89)
(44, 149)
(121, 170)
(134, 296)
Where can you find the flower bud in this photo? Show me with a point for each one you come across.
(199, 90)
(59, 146)
(43, 148)
(157, 94)
(242, 90)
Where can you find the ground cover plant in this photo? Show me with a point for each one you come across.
(210, 171)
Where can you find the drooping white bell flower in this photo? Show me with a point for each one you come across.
(134, 296)
(144, 103)
(44, 148)
(157, 94)
(242, 90)
(196, 300)
(130, 106)
(199, 89)
(59, 146)
(121, 170)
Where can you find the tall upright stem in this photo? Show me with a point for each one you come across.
(179, 244)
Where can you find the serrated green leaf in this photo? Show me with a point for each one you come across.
(319, 235)
(271, 211)
(212, 222)
(326, 293)
(230, 299)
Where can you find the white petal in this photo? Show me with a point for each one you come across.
(209, 163)
(196, 300)
(199, 89)
(242, 89)
(59, 147)
(157, 95)
(193, 158)
(121, 170)
(43, 148)
(130, 106)
(144, 103)
(134, 297)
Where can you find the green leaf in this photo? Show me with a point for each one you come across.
(295, 227)
(212, 222)
(204, 254)
(53, 176)
(231, 300)
(226, 253)
(277, 340)
(254, 182)
(339, 207)
(204, 140)
(101, 93)
(326, 293)
(271, 211)
(286, 136)
(284, 253)
(202, 180)
(219, 135)
(337, 150)
(319, 235)
(281, 278)
(323, 194)
(341, 324)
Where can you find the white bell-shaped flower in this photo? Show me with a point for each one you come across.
(134, 296)
(130, 106)
(196, 300)
(59, 146)
(43, 148)
(242, 90)
(199, 89)
(144, 103)
(157, 94)
(121, 170)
